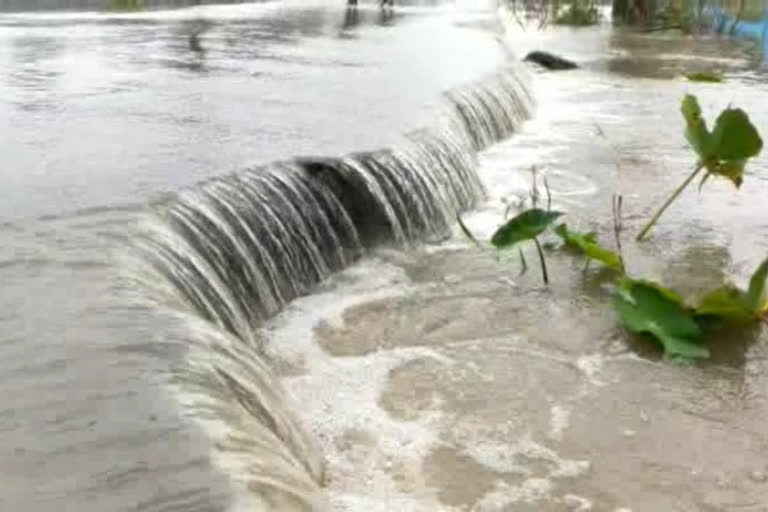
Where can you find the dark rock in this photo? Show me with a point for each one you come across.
(550, 61)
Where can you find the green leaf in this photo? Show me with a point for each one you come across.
(734, 137)
(727, 302)
(525, 226)
(696, 131)
(704, 76)
(587, 244)
(646, 307)
(468, 233)
(735, 305)
(756, 296)
(725, 151)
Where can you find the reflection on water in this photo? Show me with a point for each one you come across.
(30, 59)
(654, 56)
(126, 5)
(171, 79)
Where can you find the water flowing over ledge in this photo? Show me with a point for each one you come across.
(232, 251)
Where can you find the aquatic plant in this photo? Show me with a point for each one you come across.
(528, 225)
(723, 152)
(643, 306)
(646, 307)
(705, 76)
(731, 304)
(586, 243)
(525, 226)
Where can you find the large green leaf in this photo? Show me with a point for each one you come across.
(723, 152)
(734, 137)
(735, 305)
(587, 244)
(646, 307)
(525, 226)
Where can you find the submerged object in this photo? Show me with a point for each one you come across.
(550, 61)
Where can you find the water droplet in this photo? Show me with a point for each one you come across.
(758, 476)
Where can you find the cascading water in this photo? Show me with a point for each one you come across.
(232, 251)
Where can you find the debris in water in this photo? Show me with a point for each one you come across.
(550, 61)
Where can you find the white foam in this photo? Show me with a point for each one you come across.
(591, 366)
(577, 503)
(339, 395)
(505, 458)
(505, 495)
(559, 421)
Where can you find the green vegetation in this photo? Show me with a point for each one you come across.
(646, 307)
(526, 226)
(733, 305)
(126, 5)
(586, 243)
(578, 13)
(670, 17)
(722, 152)
(643, 306)
(465, 230)
(705, 76)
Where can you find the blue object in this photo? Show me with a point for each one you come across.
(727, 24)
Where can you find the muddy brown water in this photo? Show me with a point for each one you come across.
(436, 379)
(103, 113)
(439, 379)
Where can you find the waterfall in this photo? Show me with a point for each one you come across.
(230, 252)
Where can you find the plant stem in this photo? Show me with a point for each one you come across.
(668, 202)
(543, 262)
(618, 201)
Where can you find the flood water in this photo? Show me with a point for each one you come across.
(484, 391)
(103, 113)
(425, 376)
